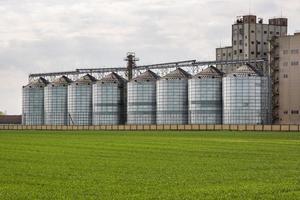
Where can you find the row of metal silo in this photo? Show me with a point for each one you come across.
(85, 101)
(177, 98)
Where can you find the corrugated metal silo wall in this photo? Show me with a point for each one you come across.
(205, 101)
(80, 104)
(56, 105)
(33, 106)
(109, 103)
(172, 101)
(141, 105)
(244, 100)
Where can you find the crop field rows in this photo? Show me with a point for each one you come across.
(149, 165)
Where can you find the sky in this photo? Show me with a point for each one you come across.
(60, 35)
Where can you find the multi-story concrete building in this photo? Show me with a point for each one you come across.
(250, 38)
(285, 68)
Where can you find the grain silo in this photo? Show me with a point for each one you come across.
(245, 97)
(205, 97)
(141, 103)
(80, 101)
(172, 98)
(56, 102)
(109, 100)
(33, 102)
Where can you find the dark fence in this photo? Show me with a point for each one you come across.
(10, 119)
(287, 128)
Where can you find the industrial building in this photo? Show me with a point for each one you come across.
(175, 98)
(254, 81)
(208, 97)
(285, 66)
(250, 40)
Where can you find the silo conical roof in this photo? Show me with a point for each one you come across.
(61, 81)
(86, 79)
(113, 78)
(177, 74)
(210, 72)
(146, 76)
(41, 82)
(245, 70)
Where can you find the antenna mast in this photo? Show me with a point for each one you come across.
(250, 2)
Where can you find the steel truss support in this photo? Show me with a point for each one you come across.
(192, 66)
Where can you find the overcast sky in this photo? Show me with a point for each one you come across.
(54, 35)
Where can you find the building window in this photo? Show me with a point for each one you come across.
(295, 112)
(252, 31)
(295, 51)
(252, 42)
(295, 63)
(285, 76)
(285, 112)
(235, 52)
(285, 51)
(241, 42)
(229, 54)
(285, 64)
(224, 54)
(241, 50)
(241, 31)
(258, 42)
(246, 36)
(252, 52)
(271, 32)
(265, 43)
(265, 54)
(265, 32)
(277, 33)
(258, 53)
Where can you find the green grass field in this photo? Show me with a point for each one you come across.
(149, 165)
